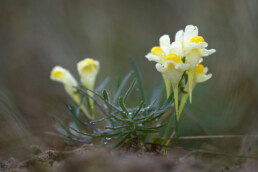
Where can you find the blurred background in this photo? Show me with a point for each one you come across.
(37, 35)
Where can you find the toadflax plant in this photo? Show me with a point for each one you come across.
(152, 120)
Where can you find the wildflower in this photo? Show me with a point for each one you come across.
(158, 54)
(200, 75)
(62, 75)
(194, 48)
(88, 70)
(169, 64)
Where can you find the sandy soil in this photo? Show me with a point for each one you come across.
(90, 158)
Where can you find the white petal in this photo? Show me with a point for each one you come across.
(152, 57)
(190, 32)
(208, 52)
(204, 44)
(179, 36)
(203, 78)
(164, 43)
(180, 66)
(176, 48)
(174, 75)
(192, 58)
(201, 60)
(189, 46)
(160, 67)
(205, 70)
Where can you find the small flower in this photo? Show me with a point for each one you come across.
(159, 53)
(88, 70)
(194, 50)
(172, 68)
(200, 75)
(62, 75)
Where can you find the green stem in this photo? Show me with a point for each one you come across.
(190, 83)
(182, 103)
(169, 128)
(175, 90)
(168, 86)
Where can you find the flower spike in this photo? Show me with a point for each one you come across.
(194, 50)
(173, 68)
(158, 54)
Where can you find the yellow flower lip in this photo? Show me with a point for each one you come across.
(174, 58)
(197, 39)
(157, 51)
(87, 65)
(199, 68)
(57, 74)
(87, 62)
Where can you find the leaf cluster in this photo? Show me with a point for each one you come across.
(123, 124)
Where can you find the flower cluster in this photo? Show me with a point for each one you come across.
(88, 70)
(180, 64)
(183, 56)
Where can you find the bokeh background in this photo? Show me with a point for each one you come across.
(37, 35)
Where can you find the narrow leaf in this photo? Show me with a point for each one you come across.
(73, 115)
(122, 141)
(122, 105)
(169, 101)
(102, 85)
(105, 95)
(95, 101)
(83, 133)
(100, 120)
(148, 130)
(138, 110)
(116, 128)
(169, 128)
(60, 123)
(129, 90)
(122, 85)
(139, 78)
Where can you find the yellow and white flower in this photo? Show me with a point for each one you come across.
(88, 70)
(62, 75)
(170, 65)
(159, 53)
(172, 68)
(194, 47)
(200, 75)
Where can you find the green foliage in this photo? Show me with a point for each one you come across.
(120, 125)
